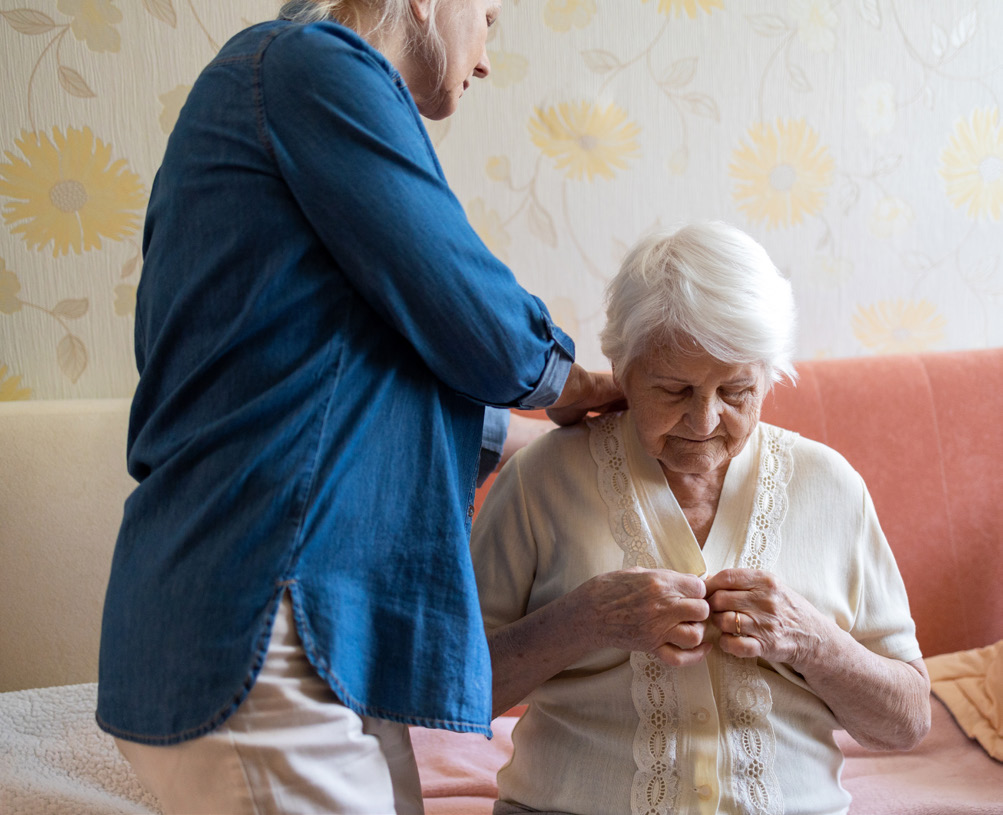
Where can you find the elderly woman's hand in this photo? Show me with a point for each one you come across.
(882, 702)
(761, 617)
(655, 610)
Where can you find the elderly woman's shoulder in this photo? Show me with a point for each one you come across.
(556, 447)
(819, 460)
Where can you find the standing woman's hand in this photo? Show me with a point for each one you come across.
(585, 392)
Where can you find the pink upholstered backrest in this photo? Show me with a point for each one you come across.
(925, 433)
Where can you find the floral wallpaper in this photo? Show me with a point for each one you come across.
(859, 140)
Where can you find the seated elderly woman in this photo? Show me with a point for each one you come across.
(689, 600)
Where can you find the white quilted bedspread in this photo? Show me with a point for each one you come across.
(54, 760)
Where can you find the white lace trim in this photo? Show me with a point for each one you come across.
(750, 733)
(656, 785)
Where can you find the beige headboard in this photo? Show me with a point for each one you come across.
(63, 482)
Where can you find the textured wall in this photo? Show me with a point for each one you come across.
(860, 141)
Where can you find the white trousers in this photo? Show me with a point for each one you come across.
(290, 748)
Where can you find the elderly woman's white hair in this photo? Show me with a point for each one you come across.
(707, 283)
(389, 17)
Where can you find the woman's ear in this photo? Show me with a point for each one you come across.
(420, 9)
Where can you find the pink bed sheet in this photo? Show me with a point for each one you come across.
(948, 774)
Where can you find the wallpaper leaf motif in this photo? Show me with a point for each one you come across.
(28, 21)
(72, 356)
(71, 353)
(70, 309)
(163, 10)
(74, 84)
(541, 224)
(680, 73)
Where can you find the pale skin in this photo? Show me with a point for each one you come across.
(463, 26)
(694, 414)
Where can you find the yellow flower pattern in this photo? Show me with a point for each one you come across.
(656, 99)
(585, 139)
(687, 7)
(94, 23)
(972, 165)
(899, 326)
(68, 192)
(507, 68)
(782, 175)
(10, 387)
(562, 15)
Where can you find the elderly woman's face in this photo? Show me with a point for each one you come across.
(693, 412)
(463, 25)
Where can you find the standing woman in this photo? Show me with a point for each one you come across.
(318, 332)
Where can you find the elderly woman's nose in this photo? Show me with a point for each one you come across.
(704, 414)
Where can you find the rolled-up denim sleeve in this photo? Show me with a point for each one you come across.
(496, 420)
(555, 374)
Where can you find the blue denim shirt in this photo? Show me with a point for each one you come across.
(318, 330)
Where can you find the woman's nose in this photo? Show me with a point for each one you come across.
(704, 415)
(483, 66)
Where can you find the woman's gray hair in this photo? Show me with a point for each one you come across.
(391, 16)
(708, 283)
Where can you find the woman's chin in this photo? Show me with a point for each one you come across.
(692, 462)
(440, 108)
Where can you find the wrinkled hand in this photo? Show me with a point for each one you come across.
(654, 610)
(775, 622)
(585, 392)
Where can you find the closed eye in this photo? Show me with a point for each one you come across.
(737, 396)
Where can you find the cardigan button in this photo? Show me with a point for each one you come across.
(703, 792)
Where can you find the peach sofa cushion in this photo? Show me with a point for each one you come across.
(925, 432)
